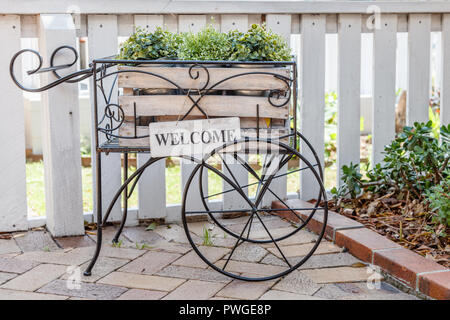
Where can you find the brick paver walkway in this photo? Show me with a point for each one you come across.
(160, 264)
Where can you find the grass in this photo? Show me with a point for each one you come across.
(36, 187)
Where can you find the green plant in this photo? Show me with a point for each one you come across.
(208, 44)
(415, 163)
(207, 237)
(352, 182)
(330, 127)
(117, 244)
(151, 226)
(85, 146)
(438, 199)
(160, 44)
(142, 246)
(258, 44)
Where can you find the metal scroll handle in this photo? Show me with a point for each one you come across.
(70, 78)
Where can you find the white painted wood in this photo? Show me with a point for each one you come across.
(445, 73)
(233, 200)
(152, 189)
(225, 7)
(349, 88)
(311, 89)
(193, 23)
(152, 184)
(61, 133)
(149, 22)
(13, 197)
(280, 24)
(278, 186)
(194, 201)
(418, 68)
(384, 66)
(230, 22)
(102, 42)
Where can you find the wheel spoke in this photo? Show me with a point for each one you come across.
(253, 183)
(237, 242)
(270, 235)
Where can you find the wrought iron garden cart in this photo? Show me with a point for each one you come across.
(262, 94)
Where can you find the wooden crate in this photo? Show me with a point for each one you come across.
(139, 110)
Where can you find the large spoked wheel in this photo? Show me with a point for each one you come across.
(249, 239)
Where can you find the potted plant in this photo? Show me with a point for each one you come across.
(244, 89)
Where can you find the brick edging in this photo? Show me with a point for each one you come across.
(413, 270)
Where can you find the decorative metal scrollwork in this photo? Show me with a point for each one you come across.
(70, 78)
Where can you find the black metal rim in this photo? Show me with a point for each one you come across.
(305, 222)
(236, 276)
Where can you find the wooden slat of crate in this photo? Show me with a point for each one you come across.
(180, 76)
(127, 130)
(264, 123)
(220, 106)
(245, 122)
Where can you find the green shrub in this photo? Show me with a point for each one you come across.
(258, 44)
(415, 163)
(160, 44)
(208, 44)
(438, 198)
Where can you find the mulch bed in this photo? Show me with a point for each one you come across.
(403, 221)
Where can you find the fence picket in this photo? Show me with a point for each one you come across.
(280, 24)
(191, 23)
(419, 27)
(384, 66)
(233, 22)
(149, 22)
(102, 42)
(445, 74)
(61, 135)
(349, 84)
(13, 199)
(312, 93)
(151, 196)
(232, 200)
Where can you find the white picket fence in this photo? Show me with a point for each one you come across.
(103, 22)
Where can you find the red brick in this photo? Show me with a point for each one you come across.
(362, 242)
(334, 220)
(435, 285)
(404, 264)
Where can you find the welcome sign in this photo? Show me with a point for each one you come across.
(192, 137)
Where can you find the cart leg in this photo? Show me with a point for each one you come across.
(125, 199)
(98, 188)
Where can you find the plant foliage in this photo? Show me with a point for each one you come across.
(415, 163)
(142, 45)
(208, 44)
(258, 44)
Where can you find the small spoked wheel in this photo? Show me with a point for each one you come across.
(254, 233)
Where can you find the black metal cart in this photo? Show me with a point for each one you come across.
(263, 155)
